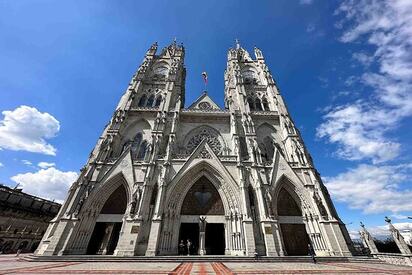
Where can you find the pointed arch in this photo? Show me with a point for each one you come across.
(202, 199)
(179, 187)
(101, 193)
(298, 193)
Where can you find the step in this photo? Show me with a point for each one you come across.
(104, 258)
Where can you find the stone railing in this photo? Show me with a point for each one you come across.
(395, 258)
(218, 111)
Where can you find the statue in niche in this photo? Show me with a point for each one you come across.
(105, 148)
(319, 203)
(135, 200)
(268, 200)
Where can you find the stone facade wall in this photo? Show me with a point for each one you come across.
(157, 150)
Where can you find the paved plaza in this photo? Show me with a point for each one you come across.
(14, 265)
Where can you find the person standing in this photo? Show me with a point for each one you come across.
(182, 247)
(189, 245)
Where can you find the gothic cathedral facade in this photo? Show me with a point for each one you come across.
(234, 181)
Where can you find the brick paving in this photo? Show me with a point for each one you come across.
(13, 265)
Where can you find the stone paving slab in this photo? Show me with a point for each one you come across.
(13, 265)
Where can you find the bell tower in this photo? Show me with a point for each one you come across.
(267, 140)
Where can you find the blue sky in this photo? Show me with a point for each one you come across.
(344, 69)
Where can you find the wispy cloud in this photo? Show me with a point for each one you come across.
(26, 162)
(374, 189)
(360, 128)
(45, 165)
(305, 2)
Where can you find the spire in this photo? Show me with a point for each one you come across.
(237, 43)
(152, 50)
(258, 53)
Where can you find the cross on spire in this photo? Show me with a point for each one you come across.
(237, 42)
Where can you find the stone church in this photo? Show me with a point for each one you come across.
(233, 181)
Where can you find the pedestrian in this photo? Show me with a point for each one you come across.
(311, 252)
(182, 247)
(256, 254)
(189, 245)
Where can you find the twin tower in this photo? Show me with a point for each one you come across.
(230, 181)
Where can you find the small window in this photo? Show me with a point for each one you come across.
(251, 104)
(258, 104)
(150, 101)
(142, 150)
(142, 101)
(158, 101)
(265, 104)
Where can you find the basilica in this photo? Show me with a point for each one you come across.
(233, 181)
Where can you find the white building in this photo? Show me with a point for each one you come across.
(233, 181)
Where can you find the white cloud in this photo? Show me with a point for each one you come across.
(26, 162)
(1, 164)
(48, 183)
(26, 129)
(305, 2)
(374, 189)
(360, 128)
(382, 231)
(45, 165)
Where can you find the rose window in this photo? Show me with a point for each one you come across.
(211, 139)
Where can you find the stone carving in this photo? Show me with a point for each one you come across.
(319, 203)
(135, 200)
(210, 137)
(204, 106)
(268, 201)
(204, 154)
(202, 224)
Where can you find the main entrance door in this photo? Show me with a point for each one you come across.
(189, 231)
(107, 228)
(295, 239)
(105, 237)
(215, 239)
(294, 235)
(203, 201)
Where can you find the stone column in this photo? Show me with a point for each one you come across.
(202, 230)
(106, 239)
(398, 238)
(367, 240)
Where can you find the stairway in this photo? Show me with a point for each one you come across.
(109, 258)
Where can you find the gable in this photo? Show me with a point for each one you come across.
(204, 102)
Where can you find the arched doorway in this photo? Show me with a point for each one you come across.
(108, 224)
(294, 235)
(202, 220)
